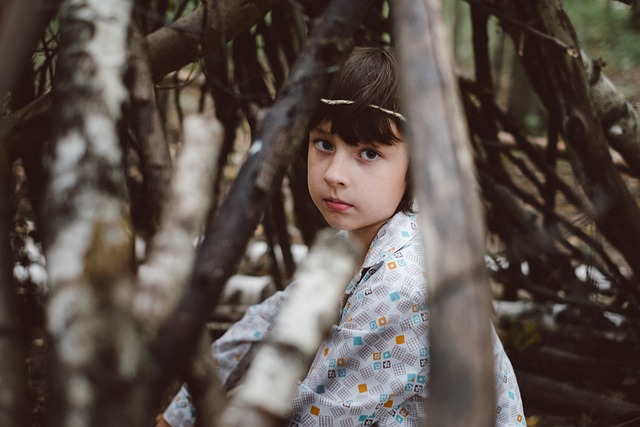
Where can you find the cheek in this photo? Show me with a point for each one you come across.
(399, 185)
(312, 177)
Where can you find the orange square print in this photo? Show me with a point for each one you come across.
(315, 411)
(362, 388)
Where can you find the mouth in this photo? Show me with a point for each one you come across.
(337, 205)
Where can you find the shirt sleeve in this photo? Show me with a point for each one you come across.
(233, 352)
(236, 348)
(509, 408)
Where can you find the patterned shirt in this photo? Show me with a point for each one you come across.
(373, 367)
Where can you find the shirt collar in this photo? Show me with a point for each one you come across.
(395, 234)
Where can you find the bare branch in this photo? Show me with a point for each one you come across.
(550, 393)
(154, 153)
(175, 46)
(278, 139)
(169, 49)
(264, 399)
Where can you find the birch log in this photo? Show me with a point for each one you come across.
(88, 237)
(461, 365)
(265, 396)
(164, 274)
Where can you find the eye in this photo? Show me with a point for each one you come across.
(369, 155)
(323, 145)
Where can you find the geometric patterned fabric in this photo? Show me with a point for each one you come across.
(373, 368)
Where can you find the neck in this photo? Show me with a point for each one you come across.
(364, 237)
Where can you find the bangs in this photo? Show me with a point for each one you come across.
(356, 126)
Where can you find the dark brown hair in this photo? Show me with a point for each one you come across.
(367, 77)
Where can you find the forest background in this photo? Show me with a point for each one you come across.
(561, 247)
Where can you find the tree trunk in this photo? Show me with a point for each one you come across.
(165, 272)
(461, 391)
(88, 238)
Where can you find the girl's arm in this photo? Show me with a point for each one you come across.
(235, 349)
(233, 352)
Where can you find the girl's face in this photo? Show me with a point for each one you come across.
(356, 188)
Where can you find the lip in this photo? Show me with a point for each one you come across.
(337, 205)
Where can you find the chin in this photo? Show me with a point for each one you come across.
(337, 225)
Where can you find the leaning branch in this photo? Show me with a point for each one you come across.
(451, 222)
(277, 141)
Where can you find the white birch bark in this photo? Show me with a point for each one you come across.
(88, 241)
(170, 261)
(265, 397)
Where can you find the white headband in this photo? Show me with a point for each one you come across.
(349, 102)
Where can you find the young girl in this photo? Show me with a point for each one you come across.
(373, 368)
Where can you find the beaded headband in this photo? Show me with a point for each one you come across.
(349, 102)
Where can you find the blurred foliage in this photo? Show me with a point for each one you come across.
(604, 29)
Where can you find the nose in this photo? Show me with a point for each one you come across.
(337, 174)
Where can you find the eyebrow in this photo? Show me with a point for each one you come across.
(318, 129)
